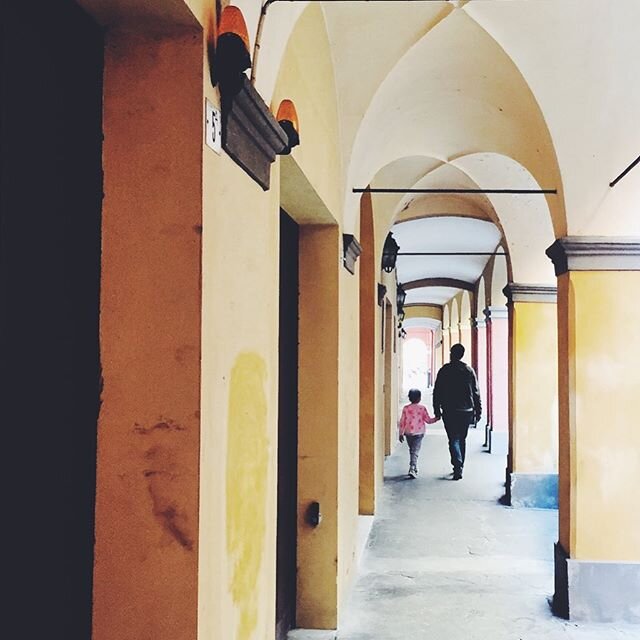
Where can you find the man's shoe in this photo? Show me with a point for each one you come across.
(413, 473)
(457, 475)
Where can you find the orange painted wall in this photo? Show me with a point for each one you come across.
(146, 553)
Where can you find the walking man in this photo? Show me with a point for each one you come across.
(456, 399)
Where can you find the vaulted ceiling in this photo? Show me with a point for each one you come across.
(478, 94)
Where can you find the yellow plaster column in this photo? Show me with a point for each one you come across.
(389, 397)
(464, 329)
(446, 343)
(532, 468)
(318, 419)
(369, 458)
(598, 553)
(497, 378)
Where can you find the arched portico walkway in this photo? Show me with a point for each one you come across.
(447, 560)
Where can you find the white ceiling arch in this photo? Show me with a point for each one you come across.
(467, 96)
(446, 234)
(431, 295)
(421, 323)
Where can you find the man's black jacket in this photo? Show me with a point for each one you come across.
(456, 389)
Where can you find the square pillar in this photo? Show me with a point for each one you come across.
(598, 553)
(480, 362)
(148, 467)
(446, 343)
(465, 337)
(318, 418)
(532, 472)
(497, 340)
(370, 457)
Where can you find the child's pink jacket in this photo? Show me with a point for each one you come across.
(413, 419)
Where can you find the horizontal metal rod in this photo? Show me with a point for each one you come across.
(450, 253)
(388, 1)
(624, 173)
(507, 191)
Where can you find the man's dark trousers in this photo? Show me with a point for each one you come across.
(456, 424)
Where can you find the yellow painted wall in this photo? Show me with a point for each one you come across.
(348, 430)
(604, 447)
(534, 388)
(566, 439)
(239, 402)
(318, 427)
(307, 78)
(423, 311)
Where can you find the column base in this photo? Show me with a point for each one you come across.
(499, 442)
(533, 490)
(312, 634)
(596, 591)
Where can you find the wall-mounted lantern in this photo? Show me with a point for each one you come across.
(251, 135)
(389, 253)
(232, 56)
(287, 118)
(401, 296)
(382, 292)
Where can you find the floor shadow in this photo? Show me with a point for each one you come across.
(404, 477)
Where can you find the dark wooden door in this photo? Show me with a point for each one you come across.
(287, 429)
(50, 219)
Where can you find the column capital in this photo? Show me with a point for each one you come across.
(519, 292)
(595, 253)
(496, 313)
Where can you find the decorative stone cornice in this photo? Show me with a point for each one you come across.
(352, 250)
(496, 313)
(595, 253)
(250, 133)
(517, 292)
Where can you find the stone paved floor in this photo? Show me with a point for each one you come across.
(446, 561)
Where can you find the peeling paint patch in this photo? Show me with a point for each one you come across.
(246, 486)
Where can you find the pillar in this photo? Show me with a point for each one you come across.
(432, 357)
(438, 355)
(388, 391)
(318, 416)
(446, 343)
(497, 339)
(532, 467)
(597, 571)
(369, 456)
(480, 363)
(465, 338)
(147, 504)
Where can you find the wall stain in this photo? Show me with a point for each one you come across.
(160, 476)
(172, 520)
(246, 485)
(166, 425)
(185, 353)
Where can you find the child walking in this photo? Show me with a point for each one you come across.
(412, 425)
